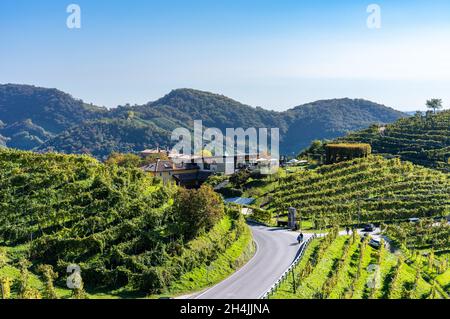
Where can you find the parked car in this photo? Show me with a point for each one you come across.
(414, 220)
(375, 243)
(369, 228)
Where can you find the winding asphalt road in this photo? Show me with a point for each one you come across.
(276, 250)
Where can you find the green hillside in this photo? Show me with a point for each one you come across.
(119, 225)
(45, 194)
(423, 140)
(372, 189)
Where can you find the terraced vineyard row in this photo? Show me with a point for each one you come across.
(119, 225)
(371, 189)
(425, 234)
(424, 140)
(351, 269)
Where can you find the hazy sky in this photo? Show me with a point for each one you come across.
(275, 54)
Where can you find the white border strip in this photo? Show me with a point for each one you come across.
(286, 273)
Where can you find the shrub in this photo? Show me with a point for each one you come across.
(346, 151)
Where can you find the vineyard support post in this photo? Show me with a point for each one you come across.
(359, 213)
(293, 281)
(292, 217)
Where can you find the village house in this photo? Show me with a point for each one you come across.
(191, 171)
(229, 165)
(170, 172)
(154, 152)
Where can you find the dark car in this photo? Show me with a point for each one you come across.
(369, 228)
(375, 243)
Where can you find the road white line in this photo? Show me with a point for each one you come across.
(234, 274)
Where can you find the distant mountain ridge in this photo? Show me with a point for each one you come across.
(40, 119)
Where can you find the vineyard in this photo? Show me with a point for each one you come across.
(62, 196)
(424, 234)
(425, 243)
(371, 189)
(346, 267)
(423, 140)
(118, 224)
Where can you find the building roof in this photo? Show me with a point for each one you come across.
(214, 159)
(295, 161)
(200, 176)
(168, 166)
(152, 151)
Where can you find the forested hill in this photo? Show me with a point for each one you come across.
(327, 118)
(298, 126)
(105, 136)
(47, 119)
(421, 139)
(184, 106)
(31, 115)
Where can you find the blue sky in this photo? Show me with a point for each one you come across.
(275, 54)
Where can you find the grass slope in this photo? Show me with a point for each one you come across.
(115, 223)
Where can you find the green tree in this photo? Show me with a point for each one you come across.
(130, 115)
(434, 104)
(316, 148)
(153, 158)
(239, 178)
(197, 210)
(124, 160)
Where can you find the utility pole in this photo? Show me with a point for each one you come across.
(208, 265)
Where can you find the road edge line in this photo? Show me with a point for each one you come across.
(234, 274)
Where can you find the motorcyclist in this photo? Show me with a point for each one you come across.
(300, 238)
